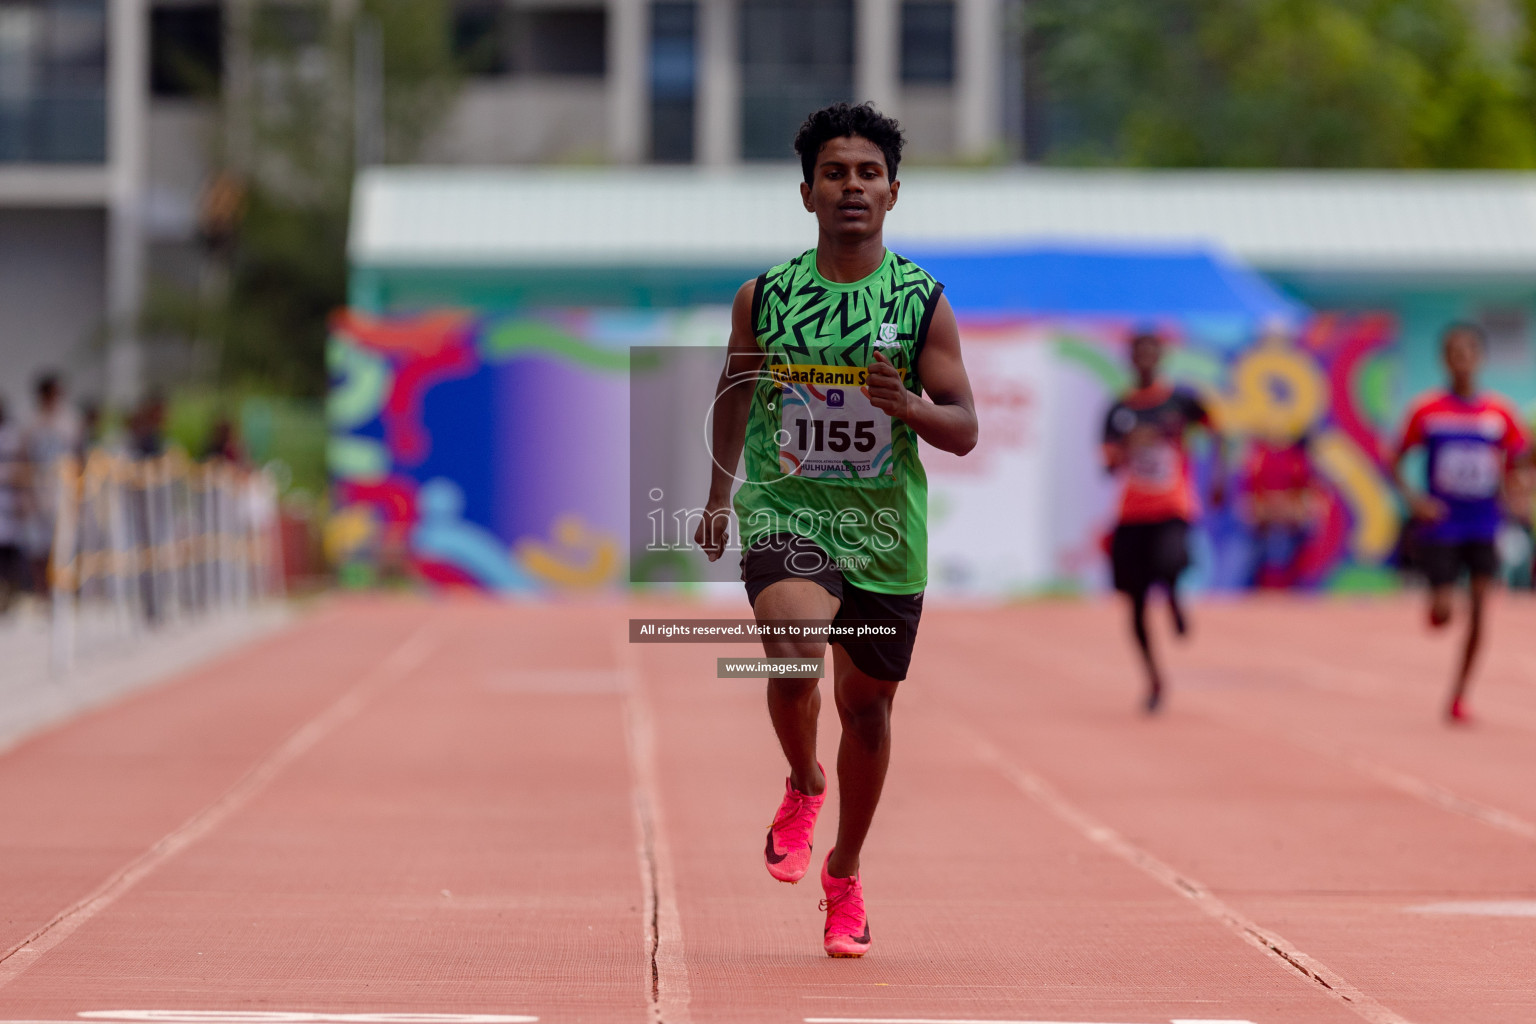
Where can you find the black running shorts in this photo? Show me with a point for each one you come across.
(785, 556)
(1443, 562)
(1144, 554)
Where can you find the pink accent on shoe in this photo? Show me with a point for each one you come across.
(847, 931)
(788, 853)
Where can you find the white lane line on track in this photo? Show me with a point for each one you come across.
(279, 1017)
(295, 1017)
(1262, 939)
(1319, 674)
(1436, 795)
(1312, 673)
(1479, 908)
(409, 655)
(668, 992)
(1431, 793)
(1441, 797)
(986, 1020)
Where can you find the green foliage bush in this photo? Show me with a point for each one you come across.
(1281, 83)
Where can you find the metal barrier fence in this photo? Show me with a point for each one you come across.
(145, 542)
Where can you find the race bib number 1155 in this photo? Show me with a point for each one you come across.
(827, 427)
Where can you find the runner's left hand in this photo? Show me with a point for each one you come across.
(885, 390)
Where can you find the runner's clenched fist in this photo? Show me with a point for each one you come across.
(885, 389)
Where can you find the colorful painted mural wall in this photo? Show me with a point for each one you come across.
(479, 451)
(1308, 414)
(491, 450)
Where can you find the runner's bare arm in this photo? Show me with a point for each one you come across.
(946, 418)
(1519, 462)
(1420, 505)
(1113, 447)
(733, 399)
(1517, 490)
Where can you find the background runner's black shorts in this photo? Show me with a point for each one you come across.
(1142, 554)
(1443, 562)
(784, 556)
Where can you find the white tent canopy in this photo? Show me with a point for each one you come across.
(1356, 222)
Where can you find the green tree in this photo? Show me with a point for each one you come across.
(275, 225)
(1277, 83)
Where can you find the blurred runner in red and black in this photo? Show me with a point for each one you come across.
(1473, 442)
(1283, 507)
(1144, 445)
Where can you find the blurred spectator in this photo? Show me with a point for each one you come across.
(146, 440)
(1282, 496)
(146, 428)
(53, 434)
(224, 443)
(90, 428)
(12, 507)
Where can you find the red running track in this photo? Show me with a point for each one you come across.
(465, 807)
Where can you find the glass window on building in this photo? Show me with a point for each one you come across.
(673, 80)
(493, 39)
(928, 42)
(561, 41)
(53, 74)
(796, 56)
(186, 49)
(479, 34)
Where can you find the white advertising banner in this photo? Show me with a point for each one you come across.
(989, 513)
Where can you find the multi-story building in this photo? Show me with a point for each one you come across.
(717, 82)
(108, 119)
(73, 88)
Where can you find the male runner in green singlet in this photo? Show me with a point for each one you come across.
(839, 360)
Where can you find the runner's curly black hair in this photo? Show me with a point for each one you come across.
(845, 119)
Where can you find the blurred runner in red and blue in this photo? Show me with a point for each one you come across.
(1472, 442)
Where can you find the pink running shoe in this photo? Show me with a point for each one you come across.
(788, 855)
(847, 932)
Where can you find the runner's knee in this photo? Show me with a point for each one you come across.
(865, 717)
(792, 691)
(791, 648)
